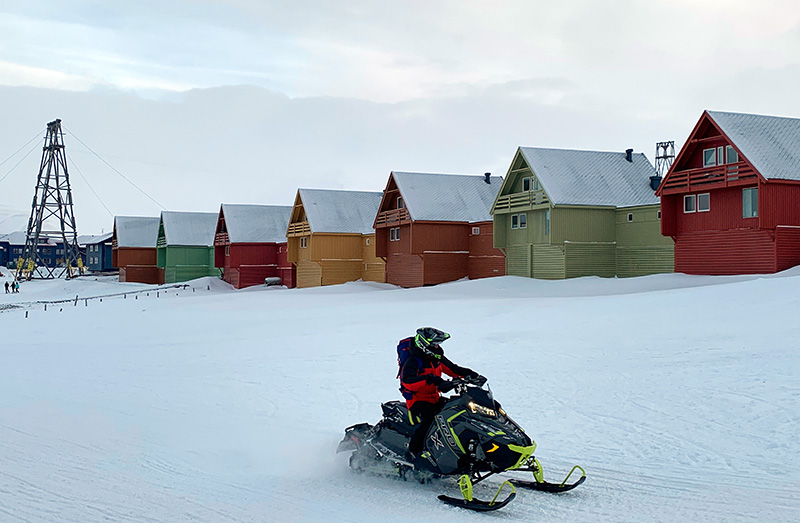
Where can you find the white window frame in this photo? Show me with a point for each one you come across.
(746, 194)
(523, 221)
(476, 231)
(394, 234)
(699, 207)
(547, 223)
(658, 215)
(689, 198)
(707, 161)
(515, 221)
(731, 151)
(227, 250)
(630, 216)
(367, 241)
(400, 203)
(526, 181)
(304, 242)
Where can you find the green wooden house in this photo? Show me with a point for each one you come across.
(185, 248)
(566, 213)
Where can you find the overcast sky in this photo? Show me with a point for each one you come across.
(200, 102)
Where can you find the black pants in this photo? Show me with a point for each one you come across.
(425, 412)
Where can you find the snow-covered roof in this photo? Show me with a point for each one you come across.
(447, 197)
(136, 231)
(256, 223)
(770, 143)
(189, 228)
(572, 177)
(86, 239)
(340, 211)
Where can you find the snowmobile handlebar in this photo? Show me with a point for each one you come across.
(460, 384)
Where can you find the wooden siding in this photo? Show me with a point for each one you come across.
(740, 251)
(442, 267)
(590, 259)
(124, 256)
(438, 237)
(405, 270)
(374, 268)
(484, 260)
(139, 274)
(787, 246)
(179, 273)
(582, 224)
(309, 274)
(725, 213)
(641, 261)
(518, 260)
(182, 263)
(643, 231)
(548, 262)
(335, 272)
(779, 204)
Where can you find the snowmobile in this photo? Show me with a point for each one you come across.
(472, 437)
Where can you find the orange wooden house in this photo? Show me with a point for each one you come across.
(435, 228)
(133, 248)
(331, 239)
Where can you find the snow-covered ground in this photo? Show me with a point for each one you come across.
(679, 395)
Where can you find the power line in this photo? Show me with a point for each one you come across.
(19, 162)
(21, 148)
(114, 169)
(72, 161)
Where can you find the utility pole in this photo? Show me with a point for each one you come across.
(665, 155)
(52, 200)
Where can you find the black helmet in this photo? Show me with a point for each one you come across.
(428, 340)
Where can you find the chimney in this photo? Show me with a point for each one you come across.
(629, 155)
(655, 181)
(486, 178)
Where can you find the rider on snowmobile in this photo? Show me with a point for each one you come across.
(421, 375)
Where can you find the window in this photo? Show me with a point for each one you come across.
(704, 202)
(17, 250)
(536, 185)
(750, 202)
(658, 215)
(709, 158)
(526, 184)
(394, 234)
(367, 243)
(227, 250)
(689, 203)
(731, 156)
(515, 221)
(48, 251)
(476, 231)
(59, 251)
(523, 221)
(400, 203)
(304, 242)
(720, 155)
(630, 216)
(547, 223)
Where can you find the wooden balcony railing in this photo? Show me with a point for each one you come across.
(298, 229)
(704, 178)
(520, 200)
(221, 238)
(392, 217)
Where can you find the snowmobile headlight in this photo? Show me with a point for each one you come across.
(480, 409)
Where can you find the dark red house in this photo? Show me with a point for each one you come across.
(435, 228)
(731, 200)
(250, 244)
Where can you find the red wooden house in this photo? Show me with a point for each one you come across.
(250, 244)
(133, 248)
(435, 228)
(731, 200)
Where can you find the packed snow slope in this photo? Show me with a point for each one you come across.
(679, 395)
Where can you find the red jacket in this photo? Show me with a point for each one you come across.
(414, 372)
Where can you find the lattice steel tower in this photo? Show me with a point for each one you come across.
(51, 201)
(665, 155)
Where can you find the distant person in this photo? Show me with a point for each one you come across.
(6, 287)
(16, 287)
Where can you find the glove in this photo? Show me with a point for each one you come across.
(445, 386)
(430, 379)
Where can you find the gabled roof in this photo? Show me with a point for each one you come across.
(256, 223)
(447, 197)
(136, 231)
(573, 177)
(195, 229)
(770, 143)
(91, 239)
(340, 211)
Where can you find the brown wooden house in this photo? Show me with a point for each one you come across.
(133, 248)
(731, 200)
(250, 244)
(330, 237)
(435, 228)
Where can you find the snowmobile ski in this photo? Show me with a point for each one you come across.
(469, 502)
(545, 486)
